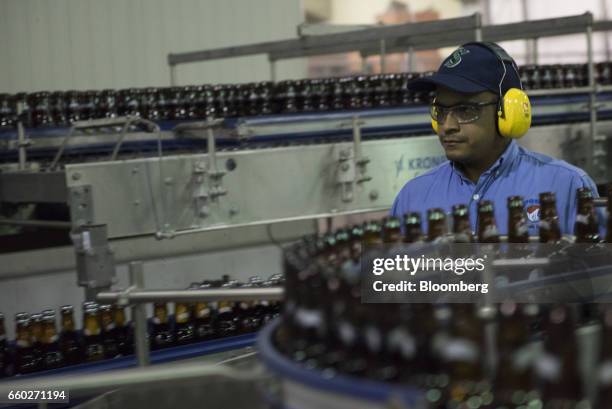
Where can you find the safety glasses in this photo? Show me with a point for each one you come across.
(464, 113)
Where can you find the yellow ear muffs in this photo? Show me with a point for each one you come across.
(514, 119)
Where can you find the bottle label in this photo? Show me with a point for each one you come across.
(582, 218)
(156, 321)
(373, 338)
(52, 339)
(490, 231)
(94, 349)
(223, 310)
(544, 224)
(402, 341)
(351, 272)
(548, 367)
(88, 332)
(109, 327)
(265, 303)
(182, 317)
(462, 237)
(204, 313)
(521, 229)
(524, 357)
(308, 318)
(459, 349)
(347, 333)
(605, 373)
(21, 343)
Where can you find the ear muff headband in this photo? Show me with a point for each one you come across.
(434, 123)
(514, 108)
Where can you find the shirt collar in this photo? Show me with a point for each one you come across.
(501, 165)
(505, 159)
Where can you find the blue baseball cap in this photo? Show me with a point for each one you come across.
(473, 68)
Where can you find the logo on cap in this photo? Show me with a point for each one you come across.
(455, 57)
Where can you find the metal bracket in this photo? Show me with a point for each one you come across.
(124, 122)
(346, 173)
(351, 162)
(95, 261)
(360, 160)
(200, 193)
(215, 174)
(81, 205)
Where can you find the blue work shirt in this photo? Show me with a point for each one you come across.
(518, 171)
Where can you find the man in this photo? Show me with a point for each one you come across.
(482, 164)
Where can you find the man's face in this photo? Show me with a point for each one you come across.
(473, 142)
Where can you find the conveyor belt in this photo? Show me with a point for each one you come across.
(157, 357)
(286, 129)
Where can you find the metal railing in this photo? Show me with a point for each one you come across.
(137, 296)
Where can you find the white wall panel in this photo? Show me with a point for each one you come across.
(95, 44)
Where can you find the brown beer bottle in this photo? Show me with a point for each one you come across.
(225, 322)
(487, 227)
(437, 227)
(412, 227)
(462, 229)
(461, 353)
(586, 228)
(111, 349)
(372, 233)
(517, 222)
(204, 317)
(92, 335)
(425, 327)
(121, 332)
(513, 377)
(299, 265)
(258, 307)
(333, 305)
(203, 321)
(245, 313)
(293, 264)
(557, 366)
(3, 349)
(609, 225)
(52, 356)
(399, 339)
(345, 334)
(25, 360)
(356, 236)
(379, 320)
(604, 374)
(550, 232)
(161, 335)
(36, 331)
(183, 327)
(391, 231)
(70, 345)
(312, 313)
